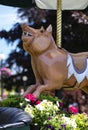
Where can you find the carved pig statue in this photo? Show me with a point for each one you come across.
(53, 67)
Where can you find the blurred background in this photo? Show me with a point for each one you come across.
(15, 64)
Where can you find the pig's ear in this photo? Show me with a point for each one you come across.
(42, 29)
(49, 28)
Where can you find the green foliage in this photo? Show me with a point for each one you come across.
(81, 120)
(19, 102)
(49, 97)
(13, 101)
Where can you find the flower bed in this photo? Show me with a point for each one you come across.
(49, 114)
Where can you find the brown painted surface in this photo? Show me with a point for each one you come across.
(50, 62)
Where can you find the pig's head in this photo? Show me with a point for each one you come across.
(37, 41)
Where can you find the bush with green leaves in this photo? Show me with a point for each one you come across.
(13, 101)
(49, 97)
(20, 102)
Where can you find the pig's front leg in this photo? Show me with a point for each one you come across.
(40, 89)
(52, 86)
(30, 89)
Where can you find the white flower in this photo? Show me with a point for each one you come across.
(21, 104)
(47, 106)
(57, 104)
(73, 123)
(40, 107)
(44, 105)
(27, 100)
(29, 110)
(68, 121)
(55, 107)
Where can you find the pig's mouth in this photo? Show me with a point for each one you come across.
(27, 34)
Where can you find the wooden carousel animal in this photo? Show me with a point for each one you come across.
(53, 67)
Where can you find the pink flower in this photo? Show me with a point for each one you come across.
(32, 99)
(73, 109)
(61, 104)
(37, 102)
(5, 71)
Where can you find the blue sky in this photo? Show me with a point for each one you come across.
(8, 17)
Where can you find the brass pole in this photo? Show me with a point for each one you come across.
(59, 23)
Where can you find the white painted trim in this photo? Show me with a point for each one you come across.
(71, 70)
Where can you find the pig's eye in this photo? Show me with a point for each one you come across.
(26, 34)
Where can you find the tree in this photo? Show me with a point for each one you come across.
(75, 30)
